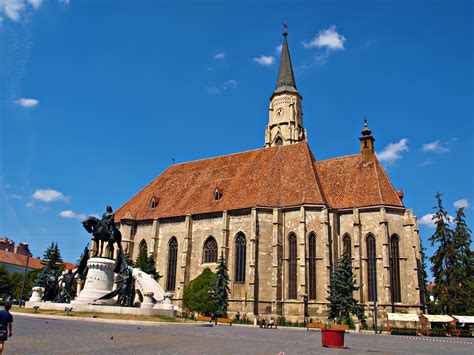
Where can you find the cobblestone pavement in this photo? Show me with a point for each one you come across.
(63, 336)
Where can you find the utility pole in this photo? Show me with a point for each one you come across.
(24, 277)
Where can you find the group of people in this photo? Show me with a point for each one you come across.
(270, 324)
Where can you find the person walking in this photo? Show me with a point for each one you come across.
(6, 325)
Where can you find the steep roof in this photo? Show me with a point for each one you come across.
(282, 176)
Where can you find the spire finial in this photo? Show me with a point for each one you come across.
(366, 131)
(285, 26)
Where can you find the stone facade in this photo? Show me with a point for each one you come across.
(265, 290)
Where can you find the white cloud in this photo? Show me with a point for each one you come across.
(72, 214)
(435, 146)
(462, 203)
(49, 195)
(16, 197)
(219, 89)
(427, 220)
(29, 204)
(27, 102)
(14, 9)
(328, 38)
(64, 2)
(426, 163)
(219, 56)
(265, 60)
(392, 152)
(279, 48)
(35, 3)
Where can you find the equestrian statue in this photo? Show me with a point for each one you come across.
(103, 230)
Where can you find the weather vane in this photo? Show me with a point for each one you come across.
(285, 26)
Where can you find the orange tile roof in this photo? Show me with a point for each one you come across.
(7, 257)
(270, 177)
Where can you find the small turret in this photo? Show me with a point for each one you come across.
(367, 151)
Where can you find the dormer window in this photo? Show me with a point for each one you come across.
(217, 194)
(154, 202)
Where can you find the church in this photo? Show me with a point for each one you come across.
(282, 219)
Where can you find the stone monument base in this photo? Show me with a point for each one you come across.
(99, 282)
(81, 307)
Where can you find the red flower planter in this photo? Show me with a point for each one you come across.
(332, 338)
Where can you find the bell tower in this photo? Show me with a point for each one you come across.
(285, 124)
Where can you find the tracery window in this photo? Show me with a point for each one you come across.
(210, 250)
(312, 266)
(240, 258)
(292, 267)
(347, 248)
(172, 262)
(395, 268)
(371, 267)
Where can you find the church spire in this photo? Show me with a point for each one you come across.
(285, 124)
(367, 152)
(286, 79)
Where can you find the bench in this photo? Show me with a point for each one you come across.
(224, 320)
(203, 319)
(338, 326)
(315, 326)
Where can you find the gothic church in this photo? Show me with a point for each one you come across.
(282, 220)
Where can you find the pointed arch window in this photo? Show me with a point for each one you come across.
(312, 266)
(347, 247)
(210, 250)
(395, 268)
(279, 141)
(371, 267)
(292, 267)
(142, 246)
(240, 258)
(172, 262)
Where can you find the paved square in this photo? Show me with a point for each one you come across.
(60, 336)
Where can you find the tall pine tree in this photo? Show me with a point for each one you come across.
(147, 264)
(221, 289)
(53, 264)
(342, 285)
(463, 300)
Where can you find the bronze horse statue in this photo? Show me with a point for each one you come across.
(101, 232)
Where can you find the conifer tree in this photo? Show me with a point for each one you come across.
(221, 289)
(463, 300)
(53, 264)
(342, 285)
(444, 258)
(147, 264)
(199, 295)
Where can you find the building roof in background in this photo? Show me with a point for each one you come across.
(282, 176)
(20, 260)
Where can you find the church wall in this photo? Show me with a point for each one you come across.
(203, 227)
(167, 230)
(144, 232)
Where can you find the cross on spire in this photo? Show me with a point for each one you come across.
(285, 26)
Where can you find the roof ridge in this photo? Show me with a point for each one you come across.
(390, 181)
(341, 157)
(378, 183)
(316, 175)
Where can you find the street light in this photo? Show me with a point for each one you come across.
(24, 276)
(305, 302)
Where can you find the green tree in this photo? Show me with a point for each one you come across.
(342, 284)
(5, 286)
(444, 259)
(221, 288)
(199, 295)
(16, 281)
(463, 282)
(53, 263)
(147, 264)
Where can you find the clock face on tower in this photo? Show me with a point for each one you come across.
(280, 111)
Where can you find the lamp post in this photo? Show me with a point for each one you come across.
(305, 302)
(374, 286)
(24, 276)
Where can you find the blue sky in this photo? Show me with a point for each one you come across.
(98, 97)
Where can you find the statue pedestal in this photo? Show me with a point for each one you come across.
(37, 294)
(99, 282)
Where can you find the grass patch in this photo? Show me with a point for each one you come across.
(100, 315)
